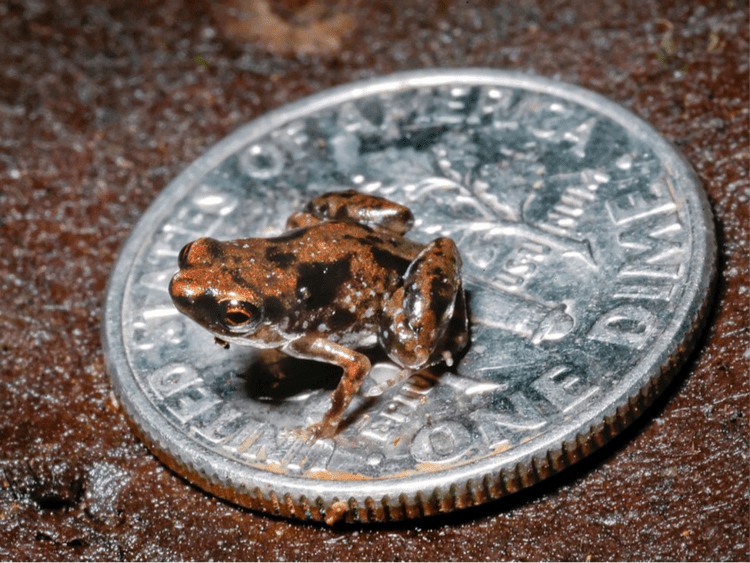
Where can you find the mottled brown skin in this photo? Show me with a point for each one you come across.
(343, 277)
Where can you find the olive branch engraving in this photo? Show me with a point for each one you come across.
(474, 186)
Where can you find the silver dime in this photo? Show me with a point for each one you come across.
(588, 251)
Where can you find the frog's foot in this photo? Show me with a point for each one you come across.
(414, 326)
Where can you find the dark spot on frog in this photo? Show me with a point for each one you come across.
(204, 305)
(440, 297)
(342, 319)
(387, 259)
(281, 259)
(273, 309)
(237, 278)
(342, 214)
(370, 240)
(319, 282)
(439, 287)
(213, 249)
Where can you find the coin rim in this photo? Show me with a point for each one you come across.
(451, 488)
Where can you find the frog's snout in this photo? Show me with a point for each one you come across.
(180, 291)
(189, 296)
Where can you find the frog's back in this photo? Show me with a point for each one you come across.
(367, 249)
(340, 271)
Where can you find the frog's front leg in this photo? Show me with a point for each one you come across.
(356, 366)
(350, 205)
(418, 314)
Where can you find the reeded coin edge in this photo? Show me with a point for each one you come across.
(460, 493)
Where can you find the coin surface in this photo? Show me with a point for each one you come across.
(588, 252)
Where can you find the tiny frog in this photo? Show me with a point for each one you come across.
(342, 278)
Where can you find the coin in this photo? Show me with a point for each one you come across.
(588, 252)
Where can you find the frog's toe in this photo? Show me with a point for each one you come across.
(447, 358)
(320, 431)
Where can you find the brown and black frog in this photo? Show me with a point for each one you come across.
(342, 278)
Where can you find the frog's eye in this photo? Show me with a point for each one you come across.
(240, 315)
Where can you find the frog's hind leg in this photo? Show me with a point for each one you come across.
(350, 205)
(356, 366)
(419, 314)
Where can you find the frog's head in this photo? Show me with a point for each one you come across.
(206, 289)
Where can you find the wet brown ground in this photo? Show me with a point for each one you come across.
(102, 104)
